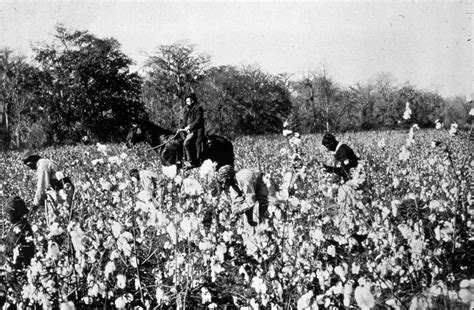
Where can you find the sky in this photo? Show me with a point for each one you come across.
(428, 44)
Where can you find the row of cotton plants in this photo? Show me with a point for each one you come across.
(396, 237)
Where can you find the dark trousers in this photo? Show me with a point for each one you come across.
(189, 145)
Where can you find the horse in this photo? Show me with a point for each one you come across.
(169, 145)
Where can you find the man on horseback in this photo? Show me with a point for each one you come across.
(193, 126)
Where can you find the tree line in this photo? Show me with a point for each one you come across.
(82, 85)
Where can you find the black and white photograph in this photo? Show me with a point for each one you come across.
(248, 155)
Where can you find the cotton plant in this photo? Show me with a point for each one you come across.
(117, 238)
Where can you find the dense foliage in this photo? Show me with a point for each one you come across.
(81, 85)
(87, 87)
(396, 237)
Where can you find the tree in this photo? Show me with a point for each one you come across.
(456, 109)
(245, 101)
(173, 71)
(88, 87)
(19, 112)
(316, 94)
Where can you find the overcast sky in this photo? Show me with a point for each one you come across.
(426, 43)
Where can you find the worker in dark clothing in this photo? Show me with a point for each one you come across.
(19, 246)
(345, 158)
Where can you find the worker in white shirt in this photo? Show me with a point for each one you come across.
(148, 179)
(247, 191)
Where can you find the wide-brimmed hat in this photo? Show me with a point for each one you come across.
(192, 96)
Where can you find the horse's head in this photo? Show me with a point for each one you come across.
(134, 135)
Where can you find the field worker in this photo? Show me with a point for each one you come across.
(19, 246)
(49, 176)
(193, 126)
(345, 158)
(148, 179)
(247, 191)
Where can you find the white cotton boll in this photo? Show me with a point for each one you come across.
(304, 302)
(44, 301)
(347, 293)
(160, 296)
(178, 179)
(94, 290)
(254, 304)
(259, 285)
(76, 237)
(170, 171)
(192, 187)
(285, 124)
(404, 154)
(331, 250)
(121, 281)
(59, 175)
(207, 169)
(114, 255)
(102, 148)
(317, 235)
(116, 229)
(364, 298)
(186, 226)
(227, 236)
(220, 251)
(53, 250)
(123, 185)
(133, 261)
(87, 300)
(120, 302)
(453, 129)
(338, 289)
(287, 132)
(295, 141)
(419, 303)
(393, 304)
(464, 284)
(109, 268)
(205, 245)
(97, 161)
(205, 295)
(114, 160)
(340, 272)
(55, 230)
(144, 196)
(465, 295)
(64, 306)
(171, 230)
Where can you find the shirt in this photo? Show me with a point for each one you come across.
(46, 171)
(148, 180)
(253, 188)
